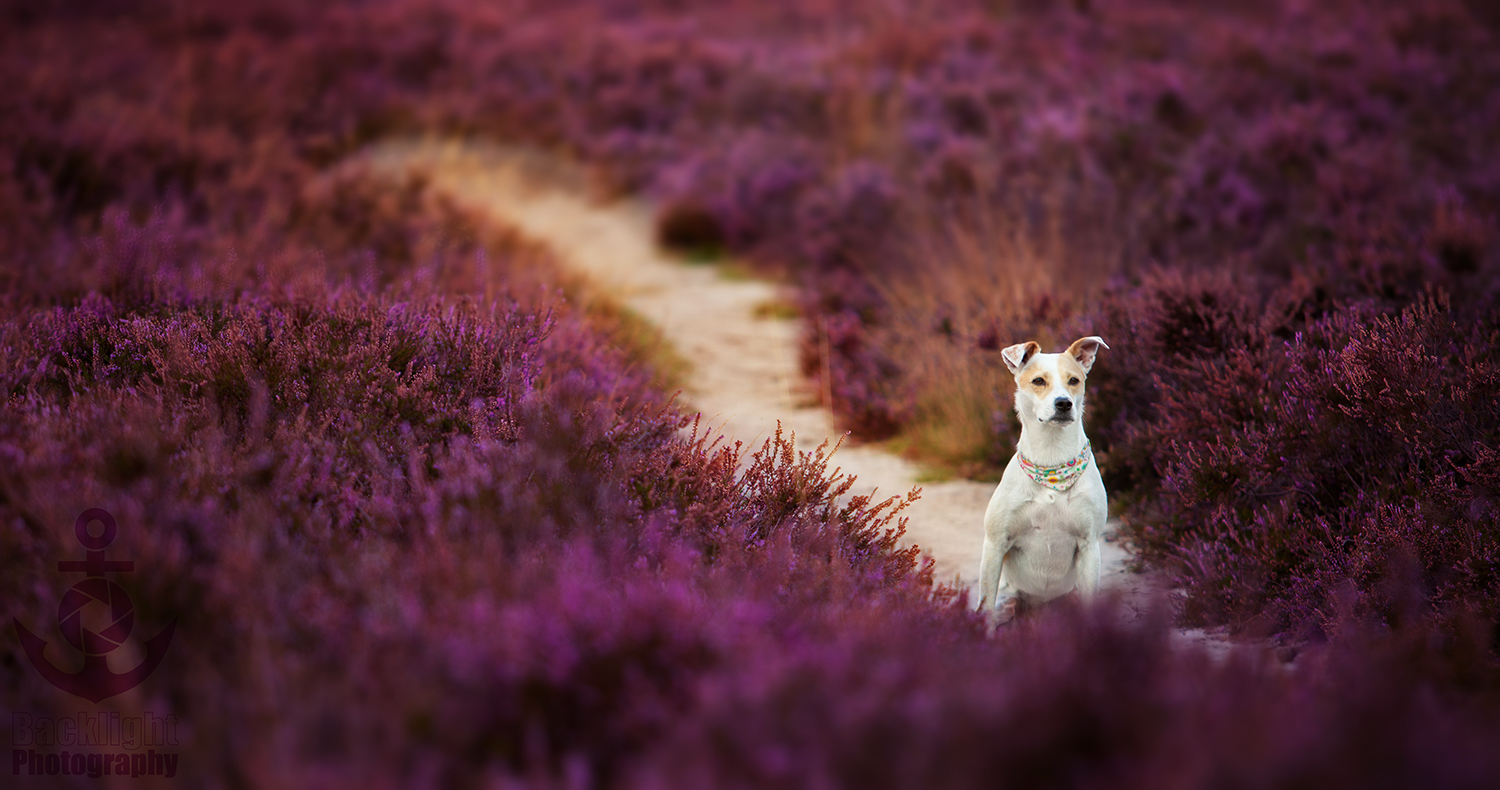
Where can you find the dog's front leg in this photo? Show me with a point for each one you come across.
(1089, 561)
(996, 602)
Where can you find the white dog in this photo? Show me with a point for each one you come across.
(1043, 525)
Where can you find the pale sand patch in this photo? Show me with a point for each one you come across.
(745, 377)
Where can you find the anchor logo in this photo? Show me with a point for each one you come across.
(95, 681)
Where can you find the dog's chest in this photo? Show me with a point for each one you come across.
(1053, 512)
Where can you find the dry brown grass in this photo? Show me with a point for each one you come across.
(972, 287)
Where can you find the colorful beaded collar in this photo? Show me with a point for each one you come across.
(1060, 477)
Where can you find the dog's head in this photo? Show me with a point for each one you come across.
(1049, 387)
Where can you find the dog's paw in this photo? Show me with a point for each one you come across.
(1002, 613)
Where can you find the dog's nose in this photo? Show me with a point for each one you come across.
(1063, 405)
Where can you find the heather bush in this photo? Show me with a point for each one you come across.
(1124, 708)
(378, 522)
(1302, 471)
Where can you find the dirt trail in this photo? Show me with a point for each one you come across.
(744, 375)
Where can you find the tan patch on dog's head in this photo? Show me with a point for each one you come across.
(1073, 374)
(1035, 379)
(1042, 378)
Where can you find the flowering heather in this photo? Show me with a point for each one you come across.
(345, 498)
(422, 521)
(1356, 455)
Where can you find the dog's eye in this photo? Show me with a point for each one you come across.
(1073, 382)
(1039, 381)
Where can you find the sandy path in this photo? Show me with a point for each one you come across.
(744, 375)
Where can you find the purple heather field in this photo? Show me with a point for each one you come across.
(425, 518)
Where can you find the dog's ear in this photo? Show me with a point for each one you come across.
(1019, 354)
(1084, 349)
